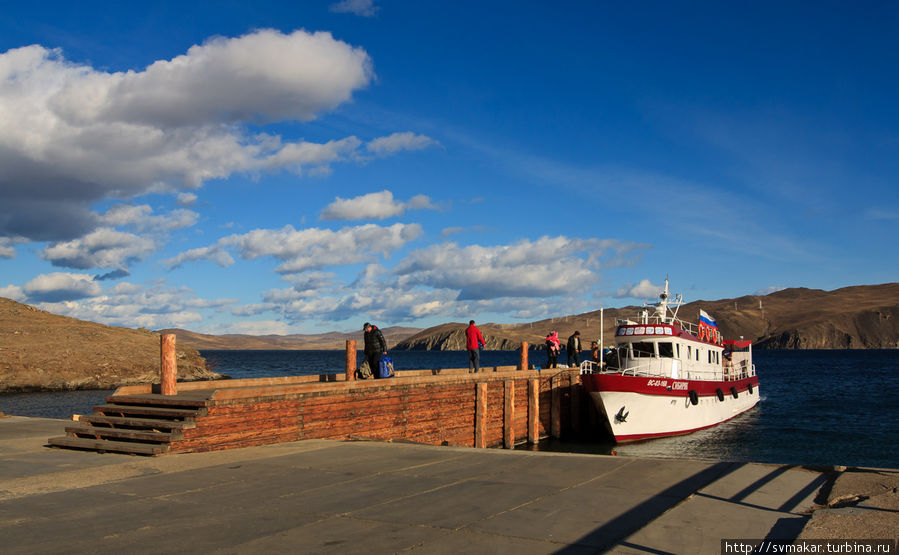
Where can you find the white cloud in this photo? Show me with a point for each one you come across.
(548, 266)
(141, 218)
(643, 290)
(186, 199)
(13, 292)
(314, 248)
(60, 286)
(214, 253)
(263, 327)
(103, 248)
(374, 206)
(71, 135)
(397, 142)
(363, 8)
(7, 250)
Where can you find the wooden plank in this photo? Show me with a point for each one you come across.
(149, 411)
(109, 446)
(154, 400)
(533, 410)
(480, 434)
(137, 435)
(139, 422)
(556, 409)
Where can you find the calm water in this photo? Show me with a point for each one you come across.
(817, 407)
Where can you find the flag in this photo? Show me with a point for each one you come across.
(705, 318)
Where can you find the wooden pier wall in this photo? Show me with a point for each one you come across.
(501, 406)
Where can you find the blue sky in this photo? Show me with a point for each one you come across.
(297, 167)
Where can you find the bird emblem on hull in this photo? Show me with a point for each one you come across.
(621, 416)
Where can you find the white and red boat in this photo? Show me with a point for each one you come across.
(668, 377)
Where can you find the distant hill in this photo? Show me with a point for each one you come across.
(860, 317)
(40, 351)
(333, 340)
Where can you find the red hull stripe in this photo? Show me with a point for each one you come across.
(663, 386)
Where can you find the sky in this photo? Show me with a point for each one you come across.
(302, 167)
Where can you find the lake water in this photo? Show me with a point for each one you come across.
(816, 408)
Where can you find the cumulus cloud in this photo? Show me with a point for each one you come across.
(214, 253)
(314, 248)
(71, 135)
(363, 8)
(103, 248)
(397, 142)
(7, 250)
(141, 218)
(13, 292)
(373, 206)
(60, 286)
(643, 290)
(548, 266)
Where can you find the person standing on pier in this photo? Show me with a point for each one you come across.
(573, 348)
(375, 347)
(552, 349)
(474, 341)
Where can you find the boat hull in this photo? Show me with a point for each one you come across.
(637, 408)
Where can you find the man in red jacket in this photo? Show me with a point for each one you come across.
(473, 340)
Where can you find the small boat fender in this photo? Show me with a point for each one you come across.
(733, 391)
(749, 388)
(720, 394)
(694, 397)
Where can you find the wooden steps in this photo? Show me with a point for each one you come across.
(134, 424)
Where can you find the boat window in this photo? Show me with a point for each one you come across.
(710, 357)
(689, 352)
(643, 350)
(677, 348)
(666, 349)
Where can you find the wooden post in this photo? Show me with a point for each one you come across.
(509, 415)
(480, 415)
(169, 367)
(350, 360)
(533, 410)
(523, 359)
(556, 410)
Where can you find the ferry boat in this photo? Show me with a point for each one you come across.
(668, 377)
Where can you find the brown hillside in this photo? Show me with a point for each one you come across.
(860, 317)
(41, 351)
(322, 341)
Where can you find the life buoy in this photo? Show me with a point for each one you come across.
(694, 397)
(733, 392)
(720, 394)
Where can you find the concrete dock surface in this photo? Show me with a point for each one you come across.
(323, 496)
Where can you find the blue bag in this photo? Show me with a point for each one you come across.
(385, 369)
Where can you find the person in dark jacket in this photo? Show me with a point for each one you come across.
(375, 347)
(573, 348)
(473, 341)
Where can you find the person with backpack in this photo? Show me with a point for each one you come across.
(375, 347)
(474, 341)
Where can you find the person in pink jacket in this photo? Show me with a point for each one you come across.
(553, 345)
(474, 341)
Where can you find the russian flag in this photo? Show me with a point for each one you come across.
(705, 318)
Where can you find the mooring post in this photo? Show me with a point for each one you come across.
(169, 368)
(523, 359)
(556, 408)
(350, 360)
(480, 415)
(533, 410)
(509, 414)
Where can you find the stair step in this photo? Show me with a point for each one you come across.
(103, 446)
(145, 423)
(162, 412)
(153, 400)
(134, 435)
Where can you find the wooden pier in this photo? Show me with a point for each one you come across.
(500, 406)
